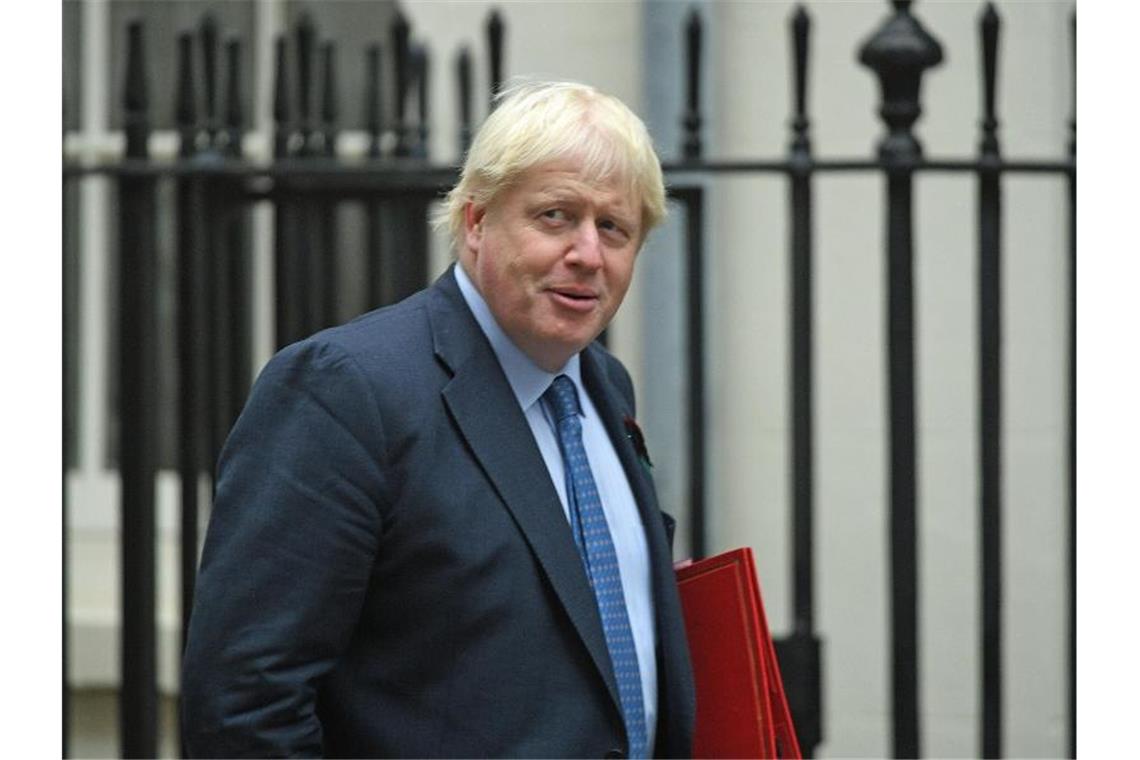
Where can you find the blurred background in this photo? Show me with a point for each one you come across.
(855, 360)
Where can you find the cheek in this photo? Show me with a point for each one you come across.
(509, 282)
(621, 274)
(528, 266)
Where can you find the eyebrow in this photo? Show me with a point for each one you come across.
(569, 195)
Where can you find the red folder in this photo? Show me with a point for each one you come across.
(741, 707)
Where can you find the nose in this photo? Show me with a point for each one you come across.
(586, 247)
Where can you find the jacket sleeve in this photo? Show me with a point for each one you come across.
(287, 556)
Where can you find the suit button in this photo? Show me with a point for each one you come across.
(616, 754)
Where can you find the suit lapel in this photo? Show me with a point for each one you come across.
(614, 411)
(488, 416)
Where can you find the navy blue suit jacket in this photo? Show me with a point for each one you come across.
(388, 570)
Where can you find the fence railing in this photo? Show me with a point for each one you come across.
(305, 184)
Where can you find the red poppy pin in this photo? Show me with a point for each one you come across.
(635, 436)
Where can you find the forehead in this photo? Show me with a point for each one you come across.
(565, 180)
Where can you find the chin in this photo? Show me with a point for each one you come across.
(577, 337)
(561, 347)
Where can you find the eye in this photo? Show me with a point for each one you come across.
(554, 215)
(613, 229)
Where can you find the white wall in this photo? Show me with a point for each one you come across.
(750, 416)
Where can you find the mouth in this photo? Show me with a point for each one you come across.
(574, 298)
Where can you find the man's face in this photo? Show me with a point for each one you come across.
(553, 256)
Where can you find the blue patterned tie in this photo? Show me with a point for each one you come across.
(592, 535)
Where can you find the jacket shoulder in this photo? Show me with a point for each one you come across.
(398, 328)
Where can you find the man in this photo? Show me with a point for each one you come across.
(434, 532)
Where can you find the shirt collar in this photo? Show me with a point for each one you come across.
(528, 381)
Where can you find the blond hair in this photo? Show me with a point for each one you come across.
(535, 123)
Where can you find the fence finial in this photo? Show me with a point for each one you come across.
(329, 106)
(1073, 68)
(899, 52)
(463, 77)
(691, 121)
(374, 103)
(495, 33)
(800, 27)
(235, 113)
(135, 97)
(281, 102)
(306, 36)
(988, 26)
(400, 32)
(208, 36)
(421, 68)
(186, 111)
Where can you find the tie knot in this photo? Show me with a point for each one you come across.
(563, 398)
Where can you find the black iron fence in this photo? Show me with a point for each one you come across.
(305, 183)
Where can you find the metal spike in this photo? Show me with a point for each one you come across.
(235, 116)
(400, 32)
(281, 102)
(208, 34)
(374, 103)
(422, 68)
(988, 27)
(329, 106)
(306, 34)
(800, 28)
(186, 111)
(496, 30)
(136, 100)
(463, 75)
(1073, 64)
(691, 121)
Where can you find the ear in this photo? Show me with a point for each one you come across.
(473, 224)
